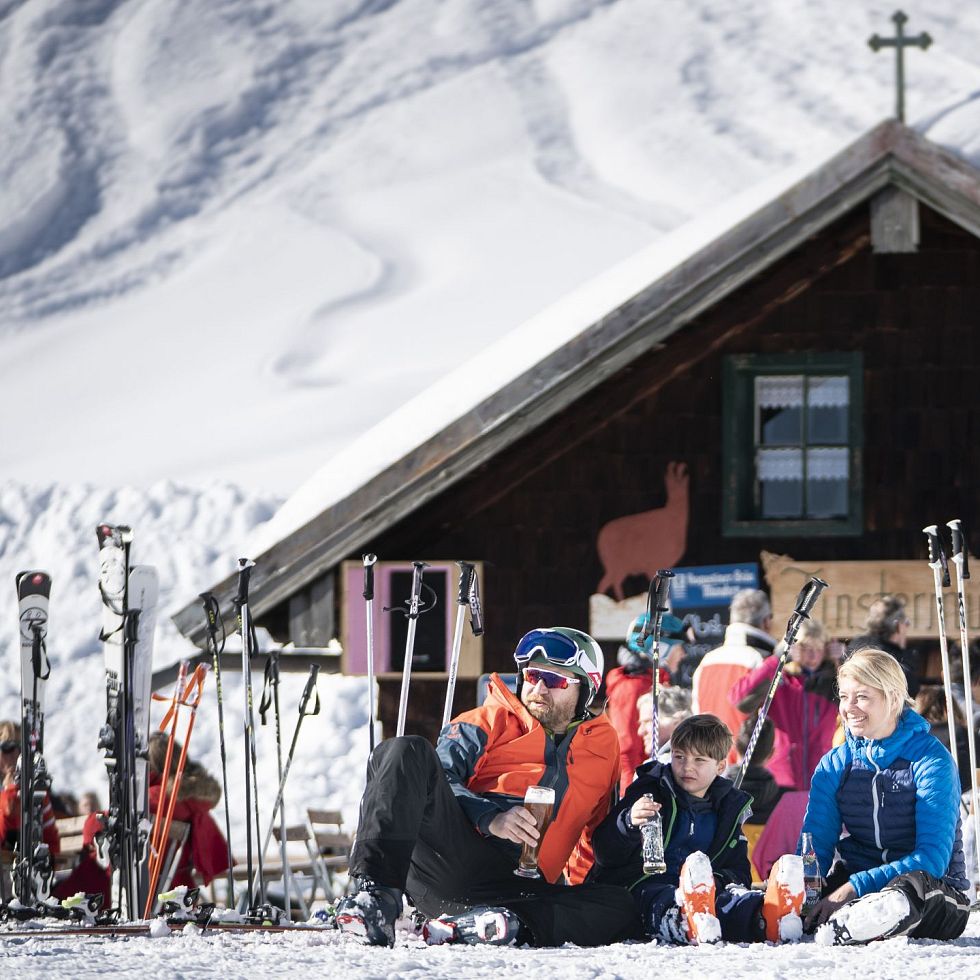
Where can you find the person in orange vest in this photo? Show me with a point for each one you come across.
(447, 825)
(748, 641)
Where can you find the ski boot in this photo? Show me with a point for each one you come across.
(696, 899)
(875, 916)
(492, 926)
(370, 913)
(783, 902)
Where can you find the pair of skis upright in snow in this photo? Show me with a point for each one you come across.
(33, 868)
(129, 599)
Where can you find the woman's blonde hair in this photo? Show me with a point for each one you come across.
(880, 670)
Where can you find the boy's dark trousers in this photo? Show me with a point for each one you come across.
(739, 913)
(413, 835)
(938, 911)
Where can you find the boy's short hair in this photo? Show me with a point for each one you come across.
(764, 747)
(704, 735)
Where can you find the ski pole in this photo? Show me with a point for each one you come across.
(245, 567)
(270, 698)
(804, 604)
(212, 612)
(157, 840)
(962, 574)
(369, 562)
(197, 681)
(308, 691)
(658, 602)
(940, 575)
(415, 609)
(466, 574)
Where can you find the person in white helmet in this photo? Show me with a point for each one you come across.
(445, 826)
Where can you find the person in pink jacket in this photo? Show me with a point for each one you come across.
(804, 708)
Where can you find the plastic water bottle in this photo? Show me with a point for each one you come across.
(813, 883)
(652, 833)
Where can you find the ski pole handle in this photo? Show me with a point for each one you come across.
(309, 691)
(466, 571)
(245, 566)
(937, 557)
(959, 549)
(476, 609)
(369, 562)
(414, 602)
(805, 602)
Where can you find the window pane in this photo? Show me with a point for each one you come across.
(828, 403)
(779, 409)
(780, 475)
(827, 483)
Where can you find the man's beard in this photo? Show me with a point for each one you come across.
(555, 717)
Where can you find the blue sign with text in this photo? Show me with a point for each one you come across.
(710, 585)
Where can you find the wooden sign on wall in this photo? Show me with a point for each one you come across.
(854, 586)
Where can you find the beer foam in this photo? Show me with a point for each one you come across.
(539, 794)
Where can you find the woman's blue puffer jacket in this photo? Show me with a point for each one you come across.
(898, 800)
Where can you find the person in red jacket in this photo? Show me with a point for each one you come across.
(804, 709)
(447, 825)
(204, 855)
(10, 795)
(632, 679)
(206, 850)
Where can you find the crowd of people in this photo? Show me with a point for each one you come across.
(843, 756)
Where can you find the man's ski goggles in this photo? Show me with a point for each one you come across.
(9, 746)
(551, 680)
(556, 647)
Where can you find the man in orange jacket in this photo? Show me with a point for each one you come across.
(447, 825)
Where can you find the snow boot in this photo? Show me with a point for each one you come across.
(370, 913)
(696, 898)
(493, 926)
(783, 902)
(875, 916)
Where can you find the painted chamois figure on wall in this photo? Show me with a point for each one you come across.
(640, 544)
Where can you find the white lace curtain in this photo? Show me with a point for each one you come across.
(786, 391)
(787, 464)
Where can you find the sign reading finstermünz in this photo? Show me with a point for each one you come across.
(710, 585)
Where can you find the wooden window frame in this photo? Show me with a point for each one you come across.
(738, 462)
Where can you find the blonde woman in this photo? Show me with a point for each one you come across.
(894, 787)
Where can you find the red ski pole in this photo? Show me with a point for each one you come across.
(196, 681)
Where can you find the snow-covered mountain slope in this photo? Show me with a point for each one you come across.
(233, 234)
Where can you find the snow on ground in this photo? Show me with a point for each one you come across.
(327, 954)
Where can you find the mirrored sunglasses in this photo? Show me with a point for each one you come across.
(551, 680)
(9, 746)
(555, 647)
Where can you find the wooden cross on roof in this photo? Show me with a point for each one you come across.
(900, 42)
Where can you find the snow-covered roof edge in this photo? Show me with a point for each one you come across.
(558, 355)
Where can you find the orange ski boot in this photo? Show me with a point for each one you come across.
(696, 898)
(783, 902)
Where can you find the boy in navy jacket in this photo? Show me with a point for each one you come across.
(704, 895)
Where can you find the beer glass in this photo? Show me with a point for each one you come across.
(539, 801)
